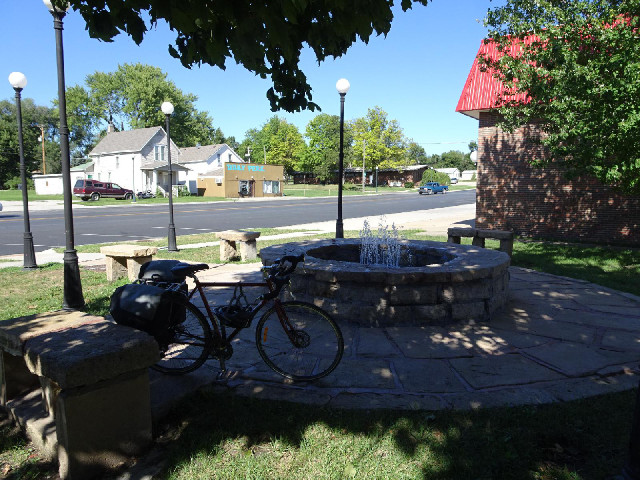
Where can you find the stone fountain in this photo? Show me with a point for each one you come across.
(431, 283)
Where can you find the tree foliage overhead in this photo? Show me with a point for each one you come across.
(581, 76)
(266, 37)
(132, 96)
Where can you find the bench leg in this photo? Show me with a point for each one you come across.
(453, 239)
(116, 267)
(227, 250)
(134, 264)
(478, 241)
(99, 426)
(15, 377)
(507, 246)
(248, 250)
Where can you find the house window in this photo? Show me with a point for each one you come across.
(229, 158)
(117, 162)
(159, 153)
(219, 161)
(271, 186)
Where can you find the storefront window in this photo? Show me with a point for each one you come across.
(271, 186)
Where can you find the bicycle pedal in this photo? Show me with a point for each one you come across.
(221, 375)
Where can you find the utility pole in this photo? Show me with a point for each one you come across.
(44, 165)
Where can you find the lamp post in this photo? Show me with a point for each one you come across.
(342, 86)
(133, 178)
(167, 109)
(72, 296)
(18, 81)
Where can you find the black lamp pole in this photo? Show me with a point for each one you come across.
(167, 109)
(73, 298)
(18, 82)
(343, 87)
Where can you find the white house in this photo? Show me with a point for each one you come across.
(467, 175)
(201, 160)
(452, 172)
(136, 159)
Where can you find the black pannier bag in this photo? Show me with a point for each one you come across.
(148, 308)
(159, 271)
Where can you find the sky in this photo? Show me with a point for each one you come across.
(415, 74)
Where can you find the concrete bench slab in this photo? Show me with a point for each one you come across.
(480, 234)
(228, 245)
(126, 260)
(94, 387)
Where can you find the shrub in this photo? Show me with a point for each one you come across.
(408, 184)
(474, 177)
(433, 176)
(350, 186)
(15, 183)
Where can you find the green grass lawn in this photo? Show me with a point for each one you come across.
(214, 434)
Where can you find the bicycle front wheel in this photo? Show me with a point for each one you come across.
(186, 345)
(299, 341)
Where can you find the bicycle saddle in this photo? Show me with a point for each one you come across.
(185, 269)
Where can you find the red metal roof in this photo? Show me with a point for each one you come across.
(482, 91)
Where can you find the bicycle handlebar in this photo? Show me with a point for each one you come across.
(279, 268)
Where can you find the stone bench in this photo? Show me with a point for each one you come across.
(228, 245)
(126, 260)
(79, 385)
(479, 235)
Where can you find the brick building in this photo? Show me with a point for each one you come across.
(534, 202)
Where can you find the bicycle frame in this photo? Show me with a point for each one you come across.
(263, 300)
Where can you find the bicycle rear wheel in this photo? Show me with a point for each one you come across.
(187, 344)
(312, 351)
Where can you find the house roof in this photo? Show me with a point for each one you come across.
(82, 167)
(216, 172)
(163, 166)
(125, 141)
(482, 91)
(199, 153)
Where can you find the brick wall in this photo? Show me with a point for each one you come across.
(541, 203)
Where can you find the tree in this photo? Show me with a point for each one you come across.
(323, 151)
(277, 143)
(265, 37)
(132, 96)
(416, 154)
(380, 139)
(578, 69)
(32, 115)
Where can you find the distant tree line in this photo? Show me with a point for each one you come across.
(130, 97)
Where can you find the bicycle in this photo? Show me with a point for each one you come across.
(295, 339)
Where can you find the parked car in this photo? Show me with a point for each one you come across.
(0, 206)
(432, 187)
(454, 180)
(95, 189)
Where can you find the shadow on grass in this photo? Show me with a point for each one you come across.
(585, 439)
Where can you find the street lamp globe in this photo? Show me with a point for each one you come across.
(167, 108)
(52, 8)
(343, 86)
(17, 80)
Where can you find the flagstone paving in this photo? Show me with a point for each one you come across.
(558, 339)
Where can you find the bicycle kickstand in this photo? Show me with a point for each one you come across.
(223, 370)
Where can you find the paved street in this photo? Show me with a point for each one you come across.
(128, 221)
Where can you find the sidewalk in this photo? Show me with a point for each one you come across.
(558, 339)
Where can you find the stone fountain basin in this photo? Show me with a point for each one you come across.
(470, 284)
